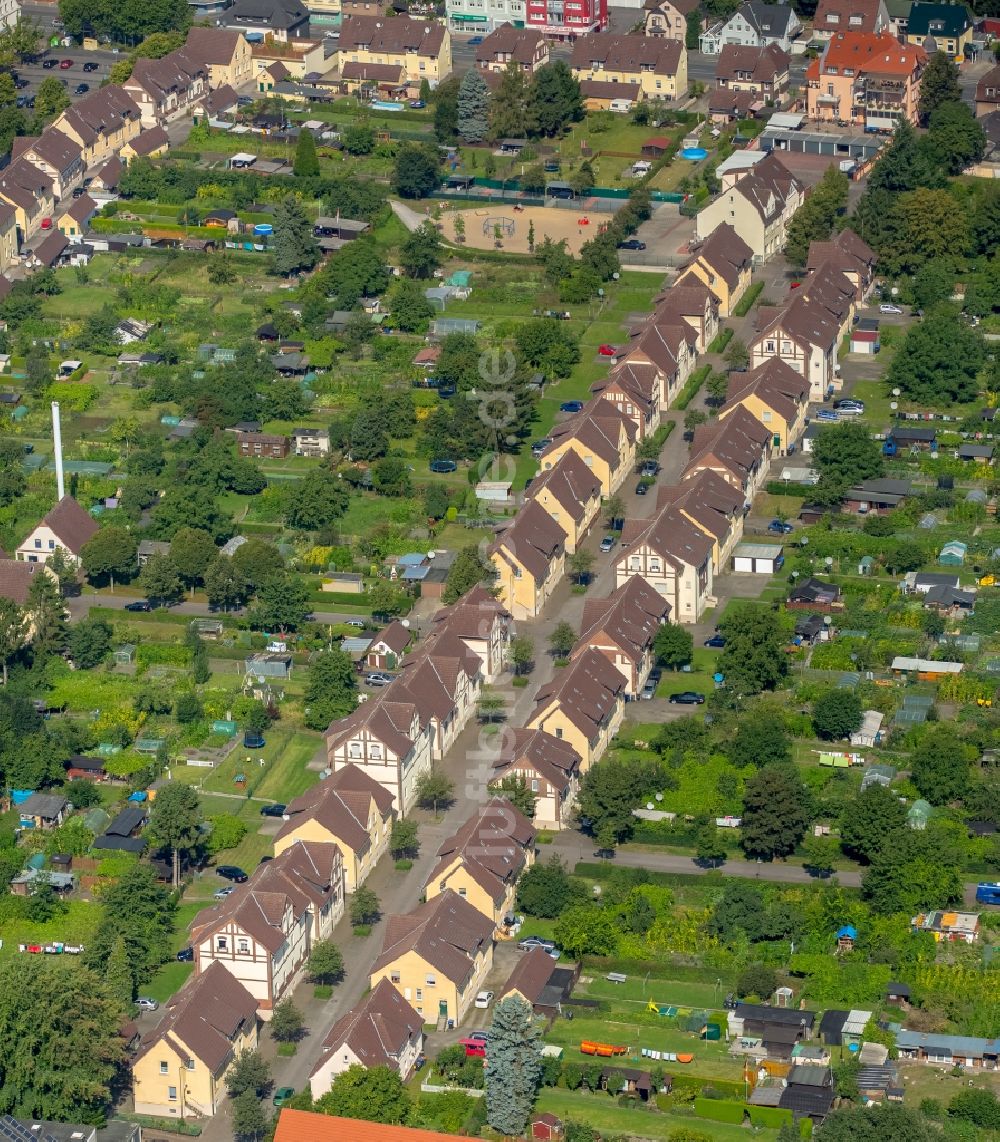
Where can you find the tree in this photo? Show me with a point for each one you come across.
(422, 252)
(545, 890)
(580, 564)
(365, 907)
(775, 812)
(418, 170)
(753, 658)
(326, 964)
(693, 417)
(50, 100)
(870, 822)
(373, 1094)
(692, 33)
(762, 740)
(757, 979)
(249, 1120)
(46, 615)
(521, 652)
(978, 1106)
(175, 821)
(221, 270)
(736, 356)
(468, 570)
(820, 854)
(554, 100)
(956, 137)
(192, 549)
(513, 1068)
(281, 604)
(614, 510)
(716, 387)
(845, 454)
(331, 689)
(410, 310)
(517, 791)
(473, 107)
(562, 639)
(118, 975)
(815, 218)
(939, 86)
(249, 1072)
(434, 790)
(225, 587)
(88, 643)
(286, 1022)
(610, 791)
(109, 554)
(939, 766)
(160, 579)
(294, 246)
(584, 929)
(836, 714)
(359, 139)
(60, 1059)
(907, 873)
(508, 104)
(673, 645)
(446, 110)
(305, 163)
(938, 362)
(13, 632)
(876, 1124)
(711, 848)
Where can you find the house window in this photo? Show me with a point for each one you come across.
(765, 416)
(394, 977)
(38, 543)
(221, 944)
(243, 947)
(633, 563)
(172, 1093)
(354, 749)
(164, 1067)
(420, 994)
(559, 732)
(462, 892)
(654, 565)
(376, 752)
(769, 346)
(52, 545)
(534, 785)
(430, 980)
(189, 1064)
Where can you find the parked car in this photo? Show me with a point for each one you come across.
(21, 83)
(417, 104)
(605, 854)
(849, 407)
(90, 66)
(649, 468)
(607, 350)
(641, 489)
(888, 307)
(65, 64)
(608, 542)
(540, 445)
(231, 872)
(717, 642)
(571, 406)
(81, 89)
(688, 698)
(442, 466)
(185, 955)
(49, 64)
(378, 679)
(779, 527)
(480, 1036)
(79, 191)
(282, 1095)
(631, 244)
(273, 810)
(827, 414)
(530, 942)
(483, 1000)
(143, 605)
(222, 893)
(648, 691)
(146, 1004)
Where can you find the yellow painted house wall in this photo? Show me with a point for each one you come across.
(728, 299)
(521, 595)
(652, 85)
(312, 830)
(457, 878)
(553, 721)
(575, 532)
(433, 69)
(8, 244)
(412, 971)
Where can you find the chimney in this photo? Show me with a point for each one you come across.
(57, 443)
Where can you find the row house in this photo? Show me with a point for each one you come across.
(529, 559)
(760, 72)
(674, 557)
(849, 254)
(622, 627)
(102, 122)
(950, 26)
(525, 48)
(387, 738)
(759, 206)
(223, 52)
(549, 767)
(868, 79)
(669, 18)
(806, 336)
(180, 1067)
(167, 89)
(737, 448)
(713, 506)
(382, 1030)
(724, 262)
(776, 395)
(8, 236)
(443, 680)
(654, 66)
(583, 705)
(832, 291)
(482, 862)
(24, 187)
(264, 932)
(349, 809)
(692, 302)
(603, 437)
(56, 155)
(661, 349)
(484, 625)
(636, 394)
(988, 93)
(437, 957)
(832, 16)
(74, 221)
(421, 49)
(570, 492)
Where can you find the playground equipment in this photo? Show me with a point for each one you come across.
(602, 1050)
(661, 1009)
(506, 225)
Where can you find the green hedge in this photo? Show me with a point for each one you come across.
(691, 387)
(773, 1116)
(780, 488)
(721, 340)
(720, 1110)
(748, 299)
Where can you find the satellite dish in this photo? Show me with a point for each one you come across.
(405, 623)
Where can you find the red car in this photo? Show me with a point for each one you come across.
(65, 65)
(474, 1049)
(607, 350)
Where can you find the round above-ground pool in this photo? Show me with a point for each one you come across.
(263, 229)
(694, 154)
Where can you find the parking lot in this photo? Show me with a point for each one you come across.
(90, 68)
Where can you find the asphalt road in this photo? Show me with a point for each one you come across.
(80, 605)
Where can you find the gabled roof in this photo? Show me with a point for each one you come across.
(530, 976)
(446, 932)
(212, 45)
(534, 540)
(430, 678)
(689, 298)
(867, 53)
(391, 36)
(774, 382)
(709, 501)
(805, 320)
(101, 113)
(473, 616)
(767, 185)
(150, 140)
(375, 1031)
(738, 442)
(599, 427)
(385, 719)
(630, 617)
(25, 185)
(518, 44)
(569, 482)
(80, 209)
(939, 20)
(769, 20)
(395, 636)
(751, 64)
(671, 535)
(491, 846)
(160, 78)
(16, 578)
(341, 805)
(630, 54)
(48, 250)
(587, 691)
(52, 147)
(636, 382)
(553, 759)
(847, 15)
(305, 1126)
(71, 525)
(725, 252)
(659, 341)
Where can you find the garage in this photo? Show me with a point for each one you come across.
(758, 558)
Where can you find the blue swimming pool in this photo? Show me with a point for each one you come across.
(385, 105)
(694, 154)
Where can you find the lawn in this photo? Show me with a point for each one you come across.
(76, 926)
(699, 677)
(639, 990)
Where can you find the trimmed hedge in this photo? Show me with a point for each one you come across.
(720, 1110)
(721, 340)
(747, 300)
(773, 1116)
(692, 387)
(780, 488)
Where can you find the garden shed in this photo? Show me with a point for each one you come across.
(953, 553)
(758, 558)
(272, 665)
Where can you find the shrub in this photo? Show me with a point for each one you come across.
(720, 1111)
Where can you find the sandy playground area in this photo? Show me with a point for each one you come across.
(576, 225)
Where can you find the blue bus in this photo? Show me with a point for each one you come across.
(988, 893)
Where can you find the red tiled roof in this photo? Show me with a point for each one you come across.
(305, 1126)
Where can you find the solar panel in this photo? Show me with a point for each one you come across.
(16, 1131)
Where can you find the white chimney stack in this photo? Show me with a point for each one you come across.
(57, 442)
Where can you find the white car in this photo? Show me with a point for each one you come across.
(146, 1004)
(484, 999)
(888, 307)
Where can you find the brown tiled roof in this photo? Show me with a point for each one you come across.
(430, 678)
(725, 101)
(71, 524)
(767, 186)
(519, 44)
(739, 443)
(376, 1031)
(753, 65)
(387, 720)
(629, 54)
(101, 113)
(607, 89)
(340, 804)
(805, 321)
(775, 382)
(553, 759)
(149, 140)
(52, 147)
(988, 88)
(587, 692)
(111, 172)
(446, 932)
(690, 297)
(212, 45)
(570, 483)
(222, 99)
(846, 15)
(637, 382)
(630, 617)
(828, 287)
(659, 342)
(16, 579)
(372, 72)
(491, 846)
(473, 616)
(672, 535)
(598, 427)
(534, 540)
(203, 1018)
(395, 636)
(391, 36)
(25, 185)
(530, 976)
(80, 209)
(49, 249)
(709, 501)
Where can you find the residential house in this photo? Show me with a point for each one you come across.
(854, 258)
(74, 222)
(758, 71)
(988, 92)
(948, 926)
(382, 1030)
(56, 155)
(48, 250)
(806, 336)
(306, 1126)
(281, 20)
(266, 444)
(582, 704)
(583, 17)
(102, 122)
(669, 18)
(167, 89)
(866, 78)
(950, 26)
(657, 66)
(603, 437)
(442, 679)
(223, 52)
(693, 302)
(623, 627)
(532, 981)
(660, 354)
(876, 496)
(29, 192)
(152, 143)
(738, 448)
(314, 442)
(724, 262)
(529, 559)
(776, 395)
(832, 16)
(714, 506)
(349, 809)
(264, 932)
(8, 236)
(482, 862)
(526, 48)
(290, 60)
(636, 394)
(390, 740)
(570, 492)
(67, 527)
(754, 25)
(420, 48)
(387, 647)
(759, 206)
(437, 957)
(484, 625)
(180, 1067)
(550, 768)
